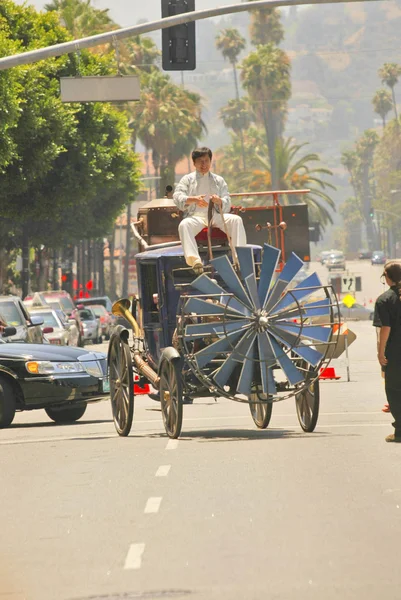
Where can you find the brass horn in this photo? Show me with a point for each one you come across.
(121, 308)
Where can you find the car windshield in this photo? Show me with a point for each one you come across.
(11, 314)
(86, 315)
(99, 310)
(378, 253)
(49, 320)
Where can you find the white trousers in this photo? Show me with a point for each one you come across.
(191, 226)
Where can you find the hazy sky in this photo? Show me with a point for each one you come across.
(128, 12)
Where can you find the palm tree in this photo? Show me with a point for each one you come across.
(389, 74)
(236, 115)
(168, 121)
(266, 26)
(80, 18)
(365, 148)
(231, 43)
(382, 104)
(266, 76)
(295, 172)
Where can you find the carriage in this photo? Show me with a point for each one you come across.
(249, 328)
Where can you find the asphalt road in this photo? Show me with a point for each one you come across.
(226, 512)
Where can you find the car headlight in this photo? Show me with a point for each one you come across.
(93, 368)
(46, 367)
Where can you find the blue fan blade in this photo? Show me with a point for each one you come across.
(267, 359)
(227, 273)
(252, 288)
(215, 328)
(291, 268)
(236, 357)
(314, 309)
(293, 375)
(246, 262)
(204, 356)
(206, 286)
(269, 265)
(317, 309)
(246, 377)
(311, 355)
(201, 307)
(312, 332)
(298, 292)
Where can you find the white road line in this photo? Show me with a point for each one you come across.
(163, 471)
(152, 505)
(134, 556)
(172, 444)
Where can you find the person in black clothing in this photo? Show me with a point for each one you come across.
(387, 317)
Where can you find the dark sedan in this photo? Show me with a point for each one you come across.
(378, 257)
(62, 380)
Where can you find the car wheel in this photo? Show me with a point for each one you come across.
(81, 341)
(107, 335)
(8, 403)
(66, 414)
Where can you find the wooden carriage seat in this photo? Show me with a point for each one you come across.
(219, 238)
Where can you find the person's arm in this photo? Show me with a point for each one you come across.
(223, 200)
(383, 338)
(181, 198)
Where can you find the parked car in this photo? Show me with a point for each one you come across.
(378, 257)
(362, 254)
(64, 332)
(336, 260)
(60, 380)
(323, 256)
(27, 327)
(356, 312)
(91, 325)
(105, 319)
(103, 300)
(36, 299)
(67, 305)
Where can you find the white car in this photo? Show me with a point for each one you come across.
(92, 326)
(64, 332)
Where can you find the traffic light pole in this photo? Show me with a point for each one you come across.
(32, 56)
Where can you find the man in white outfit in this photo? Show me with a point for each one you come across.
(192, 195)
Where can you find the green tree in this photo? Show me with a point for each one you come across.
(231, 43)
(389, 74)
(266, 26)
(266, 77)
(81, 18)
(382, 104)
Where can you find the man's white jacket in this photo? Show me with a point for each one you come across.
(188, 187)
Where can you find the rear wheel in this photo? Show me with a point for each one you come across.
(8, 403)
(261, 412)
(121, 385)
(66, 414)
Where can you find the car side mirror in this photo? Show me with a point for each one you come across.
(36, 320)
(47, 330)
(8, 331)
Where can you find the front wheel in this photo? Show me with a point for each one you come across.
(307, 404)
(66, 414)
(121, 385)
(261, 412)
(171, 396)
(8, 403)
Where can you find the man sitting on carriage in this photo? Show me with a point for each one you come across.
(193, 196)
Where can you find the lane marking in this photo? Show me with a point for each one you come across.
(134, 557)
(172, 444)
(163, 471)
(152, 505)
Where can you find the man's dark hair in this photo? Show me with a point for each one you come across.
(198, 152)
(169, 188)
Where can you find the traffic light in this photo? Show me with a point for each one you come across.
(178, 43)
(314, 231)
(371, 212)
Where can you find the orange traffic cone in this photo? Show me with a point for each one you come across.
(328, 373)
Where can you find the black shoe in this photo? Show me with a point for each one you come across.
(155, 396)
(393, 438)
(187, 400)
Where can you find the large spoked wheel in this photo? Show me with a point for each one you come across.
(307, 403)
(171, 396)
(261, 412)
(121, 385)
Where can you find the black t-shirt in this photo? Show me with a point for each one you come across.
(388, 314)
